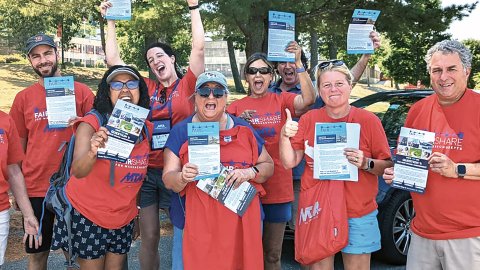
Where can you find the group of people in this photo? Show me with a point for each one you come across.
(262, 137)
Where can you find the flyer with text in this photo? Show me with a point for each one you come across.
(124, 126)
(358, 37)
(329, 161)
(281, 30)
(204, 148)
(237, 199)
(120, 10)
(411, 161)
(60, 101)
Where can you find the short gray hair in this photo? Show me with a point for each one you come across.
(449, 47)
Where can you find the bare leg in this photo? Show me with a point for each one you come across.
(114, 261)
(356, 261)
(325, 264)
(150, 233)
(38, 261)
(272, 244)
(95, 264)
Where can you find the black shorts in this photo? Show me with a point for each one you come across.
(47, 225)
(90, 241)
(153, 190)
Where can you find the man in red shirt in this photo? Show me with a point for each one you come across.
(43, 146)
(446, 228)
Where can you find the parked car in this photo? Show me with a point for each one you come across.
(395, 206)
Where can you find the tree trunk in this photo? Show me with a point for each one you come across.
(332, 49)
(313, 52)
(233, 65)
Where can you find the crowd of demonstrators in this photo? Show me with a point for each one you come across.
(265, 111)
(215, 237)
(334, 83)
(43, 146)
(446, 228)
(11, 177)
(104, 205)
(169, 92)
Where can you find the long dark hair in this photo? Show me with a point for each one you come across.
(254, 57)
(102, 102)
(169, 51)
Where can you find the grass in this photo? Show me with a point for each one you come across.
(16, 77)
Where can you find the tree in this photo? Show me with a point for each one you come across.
(474, 46)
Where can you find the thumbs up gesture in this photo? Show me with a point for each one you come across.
(291, 127)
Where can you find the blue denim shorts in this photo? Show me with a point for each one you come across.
(277, 212)
(153, 190)
(363, 234)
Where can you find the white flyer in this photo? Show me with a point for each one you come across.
(60, 100)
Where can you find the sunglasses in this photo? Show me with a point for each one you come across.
(131, 85)
(205, 92)
(326, 64)
(262, 70)
(163, 95)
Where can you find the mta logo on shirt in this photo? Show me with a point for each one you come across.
(309, 213)
(133, 178)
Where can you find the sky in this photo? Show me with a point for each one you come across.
(466, 28)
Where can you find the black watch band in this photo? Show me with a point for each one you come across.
(194, 7)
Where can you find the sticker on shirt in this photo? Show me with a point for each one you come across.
(161, 131)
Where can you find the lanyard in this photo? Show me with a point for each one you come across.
(168, 102)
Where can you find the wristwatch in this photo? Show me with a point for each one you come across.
(461, 170)
(370, 164)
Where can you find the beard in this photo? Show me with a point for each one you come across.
(44, 75)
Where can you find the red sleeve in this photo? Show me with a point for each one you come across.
(232, 109)
(16, 112)
(15, 150)
(288, 100)
(190, 79)
(378, 143)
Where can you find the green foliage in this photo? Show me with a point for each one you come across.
(474, 79)
(13, 58)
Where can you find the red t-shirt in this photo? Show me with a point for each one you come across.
(450, 207)
(215, 237)
(110, 207)
(11, 152)
(360, 196)
(44, 145)
(268, 121)
(177, 107)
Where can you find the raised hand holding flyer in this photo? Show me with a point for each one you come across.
(237, 199)
(60, 101)
(329, 162)
(358, 37)
(124, 126)
(411, 161)
(204, 148)
(281, 30)
(120, 10)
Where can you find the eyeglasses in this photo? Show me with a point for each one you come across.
(131, 85)
(325, 64)
(262, 70)
(205, 92)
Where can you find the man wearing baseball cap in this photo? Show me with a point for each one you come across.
(43, 146)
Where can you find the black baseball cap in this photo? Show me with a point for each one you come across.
(39, 39)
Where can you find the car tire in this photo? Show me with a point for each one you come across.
(394, 221)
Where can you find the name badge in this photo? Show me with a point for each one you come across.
(161, 130)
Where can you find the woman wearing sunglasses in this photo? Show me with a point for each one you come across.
(103, 212)
(334, 82)
(214, 236)
(169, 104)
(266, 113)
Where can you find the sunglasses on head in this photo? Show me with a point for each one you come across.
(335, 63)
(262, 70)
(131, 85)
(205, 92)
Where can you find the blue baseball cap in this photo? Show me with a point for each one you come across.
(211, 76)
(39, 39)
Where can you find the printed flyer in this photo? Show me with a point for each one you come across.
(329, 162)
(281, 30)
(120, 10)
(60, 101)
(362, 23)
(204, 148)
(124, 126)
(411, 161)
(237, 199)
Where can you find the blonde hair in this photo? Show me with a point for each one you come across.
(342, 69)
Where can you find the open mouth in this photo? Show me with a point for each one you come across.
(258, 84)
(210, 106)
(126, 98)
(161, 69)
